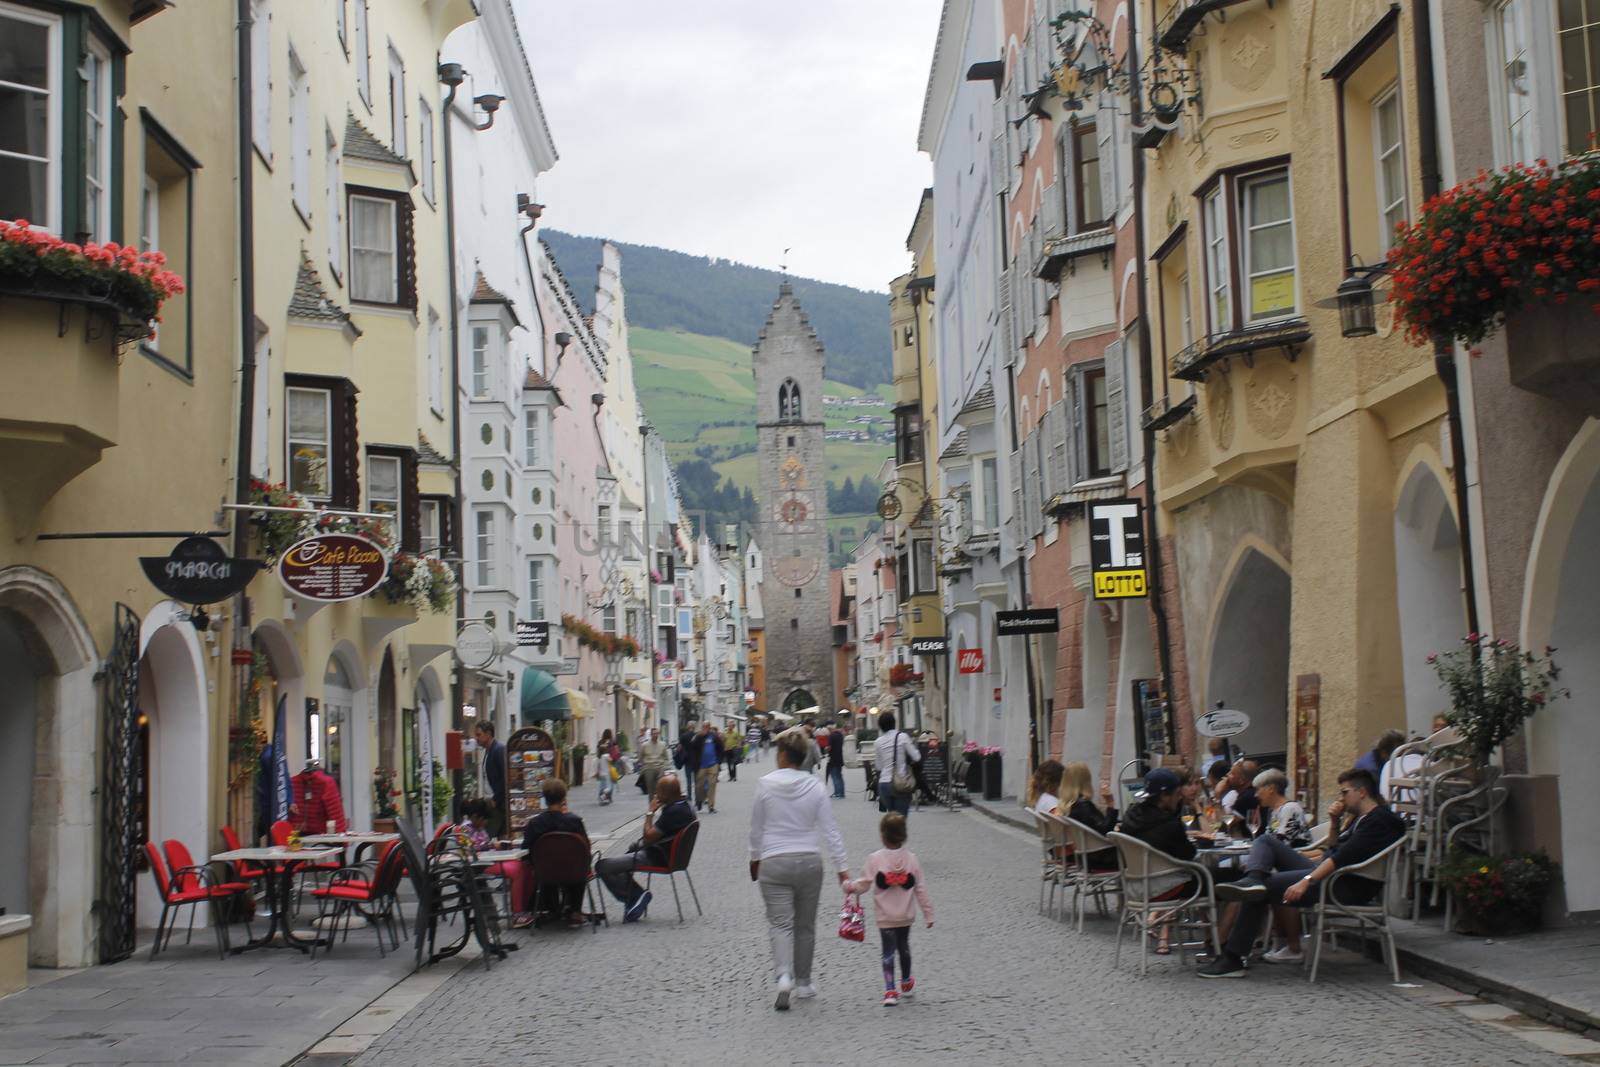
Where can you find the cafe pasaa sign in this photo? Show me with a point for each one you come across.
(329, 568)
(1116, 549)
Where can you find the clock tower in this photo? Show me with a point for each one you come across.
(792, 523)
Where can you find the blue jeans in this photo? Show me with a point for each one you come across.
(889, 800)
(836, 776)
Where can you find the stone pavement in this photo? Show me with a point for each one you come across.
(996, 982)
(264, 1007)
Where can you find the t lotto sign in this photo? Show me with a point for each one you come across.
(970, 661)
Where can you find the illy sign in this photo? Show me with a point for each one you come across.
(970, 661)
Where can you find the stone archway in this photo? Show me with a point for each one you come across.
(1248, 661)
(49, 703)
(798, 700)
(1561, 608)
(173, 705)
(1427, 564)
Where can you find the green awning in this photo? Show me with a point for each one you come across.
(542, 697)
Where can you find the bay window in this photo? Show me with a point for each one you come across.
(95, 73)
(924, 578)
(484, 548)
(482, 353)
(1096, 428)
(430, 538)
(1249, 250)
(536, 609)
(30, 99)
(1088, 196)
(533, 443)
(310, 443)
(382, 252)
(1389, 144)
(989, 486)
(383, 488)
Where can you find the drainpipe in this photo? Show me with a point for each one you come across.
(453, 74)
(247, 339)
(1147, 390)
(1444, 354)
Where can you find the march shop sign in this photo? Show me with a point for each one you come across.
(1116, 550)
(198, 571)
(329, 568)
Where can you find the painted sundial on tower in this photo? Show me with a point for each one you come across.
(792, 472)
(796, 570)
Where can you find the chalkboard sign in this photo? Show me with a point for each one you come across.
(530, 759)
(935, 770)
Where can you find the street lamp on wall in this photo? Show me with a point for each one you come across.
(1355, 299)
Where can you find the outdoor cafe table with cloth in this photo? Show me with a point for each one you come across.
(280, 862)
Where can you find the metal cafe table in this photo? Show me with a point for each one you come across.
(279, 863)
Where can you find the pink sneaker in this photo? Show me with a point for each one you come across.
(907, 986)
(890, 999)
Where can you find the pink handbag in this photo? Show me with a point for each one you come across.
(852, 919)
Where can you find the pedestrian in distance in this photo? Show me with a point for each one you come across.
(813, 750)
(653, 759)
(836, 761)
(494, 770)
(788, 815)
(732, 752)
(603, 763)
(898, 890)
(894, 755)
(681, 757)
(705, 756)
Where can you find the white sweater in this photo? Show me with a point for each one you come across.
(789, 814)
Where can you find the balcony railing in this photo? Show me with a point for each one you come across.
(1192, 363)
(1175, 27)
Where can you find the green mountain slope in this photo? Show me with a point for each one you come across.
(718, 298)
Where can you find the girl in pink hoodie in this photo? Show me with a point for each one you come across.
(894, 876)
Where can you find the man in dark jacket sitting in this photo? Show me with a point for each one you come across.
(1298, 880)
(669, 815)
(1155, 819)
(563, 899)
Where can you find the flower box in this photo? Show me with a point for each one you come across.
(1554, 350)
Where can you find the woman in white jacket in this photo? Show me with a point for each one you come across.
(789, 815)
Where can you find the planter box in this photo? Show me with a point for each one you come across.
(1555, 352)
(991, 777)
(14, 952)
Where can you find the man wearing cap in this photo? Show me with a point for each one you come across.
(1154, 819)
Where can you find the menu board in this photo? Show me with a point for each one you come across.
(530, 759)
(935, 771)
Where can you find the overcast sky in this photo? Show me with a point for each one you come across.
(738, 128)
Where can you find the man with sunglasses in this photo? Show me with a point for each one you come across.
(1276, 874)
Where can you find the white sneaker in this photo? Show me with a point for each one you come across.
(805, 991)
(1285, 954)
(785, 986)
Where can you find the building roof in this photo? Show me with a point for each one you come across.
(956, 449)
(359, 143)
(484, 293)
(310, 301)
(536, 382)
(982, 400)
(427, 454)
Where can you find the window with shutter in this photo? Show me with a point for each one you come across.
(1105, 132)
(999, 179)
(1016, 496)
(1116, 407)
(1050, 207)
(1060, 432)
(1077, 464)
(1036, 481)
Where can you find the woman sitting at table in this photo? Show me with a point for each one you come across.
(1078, 804)
(1044, 786)
(477, 815)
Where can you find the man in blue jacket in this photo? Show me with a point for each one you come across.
(705, 758)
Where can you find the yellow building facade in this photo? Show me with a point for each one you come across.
(1303, 477)
(113, 444)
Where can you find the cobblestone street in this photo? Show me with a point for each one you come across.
(995, 981)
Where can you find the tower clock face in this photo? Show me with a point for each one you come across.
(792, 512)
(796, 570)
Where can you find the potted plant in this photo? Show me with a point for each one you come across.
(130, 284)
(1494, 688)
(1497, 895)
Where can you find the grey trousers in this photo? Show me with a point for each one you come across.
(790, 886)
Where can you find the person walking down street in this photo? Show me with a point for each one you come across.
(683, 757)
(894, 754)
(653, 759)
(706, 759)
(813, 750)
(733, 752)
(787, 817)
(898, 890)
(494, 771)
(669, 814)
(836, 761)
(604, 757)
(752, 742)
